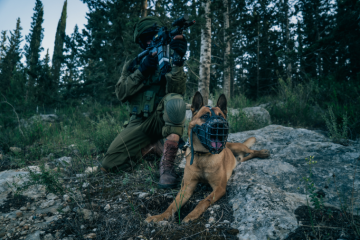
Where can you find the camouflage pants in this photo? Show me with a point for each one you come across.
(125, 150)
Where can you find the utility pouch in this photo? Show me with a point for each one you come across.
(149, 102)
(136, 104)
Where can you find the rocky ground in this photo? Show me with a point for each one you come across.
(94, 205)
(266, 198)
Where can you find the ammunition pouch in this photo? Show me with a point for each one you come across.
(143, 104)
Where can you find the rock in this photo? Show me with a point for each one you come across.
(85, 184)
(211, 220)
(143, 195)
(88, 215)
(163, 223)
(23, 209)
(91, 169)
(90, 235)
(66, 198)
(210, 103)
(51, 196)
(258, 115)
(33, 236)
(15, 149)
(107, 207)
(264, 193)
(19, 214)
(47, 204)
(188, 106)
(63, 161)
(51, 219)
(188, 114)
(66, 209)
(48, 237)
(51, 118)
(10, 180)
(207, 225)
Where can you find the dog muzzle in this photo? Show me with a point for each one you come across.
(212, 134)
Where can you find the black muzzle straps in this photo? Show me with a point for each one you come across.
(212, 134)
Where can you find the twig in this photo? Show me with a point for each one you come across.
(22, 133)
(321, 227)
(205, 229)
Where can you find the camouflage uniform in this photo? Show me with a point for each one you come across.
(156, 108)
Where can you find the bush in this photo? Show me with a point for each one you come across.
(295, 105)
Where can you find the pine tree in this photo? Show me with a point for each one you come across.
(11, 60)
(44, 83)
(34, 48)
(71, 79)
(2, 46)
(58, 58)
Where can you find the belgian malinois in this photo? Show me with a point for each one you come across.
(214, 169)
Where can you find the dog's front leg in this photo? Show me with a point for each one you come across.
(217, 193)
(182, 197)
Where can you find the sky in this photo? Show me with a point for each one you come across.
(10, 10)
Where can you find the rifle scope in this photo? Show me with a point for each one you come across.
(180, 21)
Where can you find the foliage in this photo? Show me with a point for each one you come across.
(337, 132)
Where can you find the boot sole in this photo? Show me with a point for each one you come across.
(167, 186)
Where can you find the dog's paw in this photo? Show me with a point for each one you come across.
(264, 153)
(156, 218)
(189, 218)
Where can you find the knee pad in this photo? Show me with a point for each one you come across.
(175, 111)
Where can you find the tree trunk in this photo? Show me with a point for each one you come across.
(144, 8)
(205, 54)
(226, 84)
(287, 57)
(258, 58)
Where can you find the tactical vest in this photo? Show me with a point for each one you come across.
(144, 102)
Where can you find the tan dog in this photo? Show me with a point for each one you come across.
(214, 169)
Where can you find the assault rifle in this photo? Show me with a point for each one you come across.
(160, 43)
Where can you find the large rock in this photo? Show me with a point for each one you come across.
(264, 193)
(258, 115)
(45, 118)
(12, 179)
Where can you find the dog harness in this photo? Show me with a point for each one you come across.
(212, 134)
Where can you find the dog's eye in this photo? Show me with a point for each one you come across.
(206, 116)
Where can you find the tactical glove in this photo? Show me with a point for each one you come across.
(149, 65)
(179, 46)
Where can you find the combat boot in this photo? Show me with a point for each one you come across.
(156, 148)
(168, 176)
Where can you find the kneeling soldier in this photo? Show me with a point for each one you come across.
(156, 105)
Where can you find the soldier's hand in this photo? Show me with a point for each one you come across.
(179, 45)
(149, 65)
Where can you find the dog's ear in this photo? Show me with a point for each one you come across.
(222, 103)
(197, 102)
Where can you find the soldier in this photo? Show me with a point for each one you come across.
(157, 108)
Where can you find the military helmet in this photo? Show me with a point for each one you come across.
(146, 25)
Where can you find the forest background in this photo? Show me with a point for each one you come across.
(302, 56)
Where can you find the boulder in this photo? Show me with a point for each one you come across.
(264, 193)
(258, 115)
(45, 118)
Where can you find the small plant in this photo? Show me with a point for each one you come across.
(315, 198)
(126, 179)
(337, 131)
(182, 194)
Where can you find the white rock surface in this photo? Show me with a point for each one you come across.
(264, 193)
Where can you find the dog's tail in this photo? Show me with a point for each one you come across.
(237, 148)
